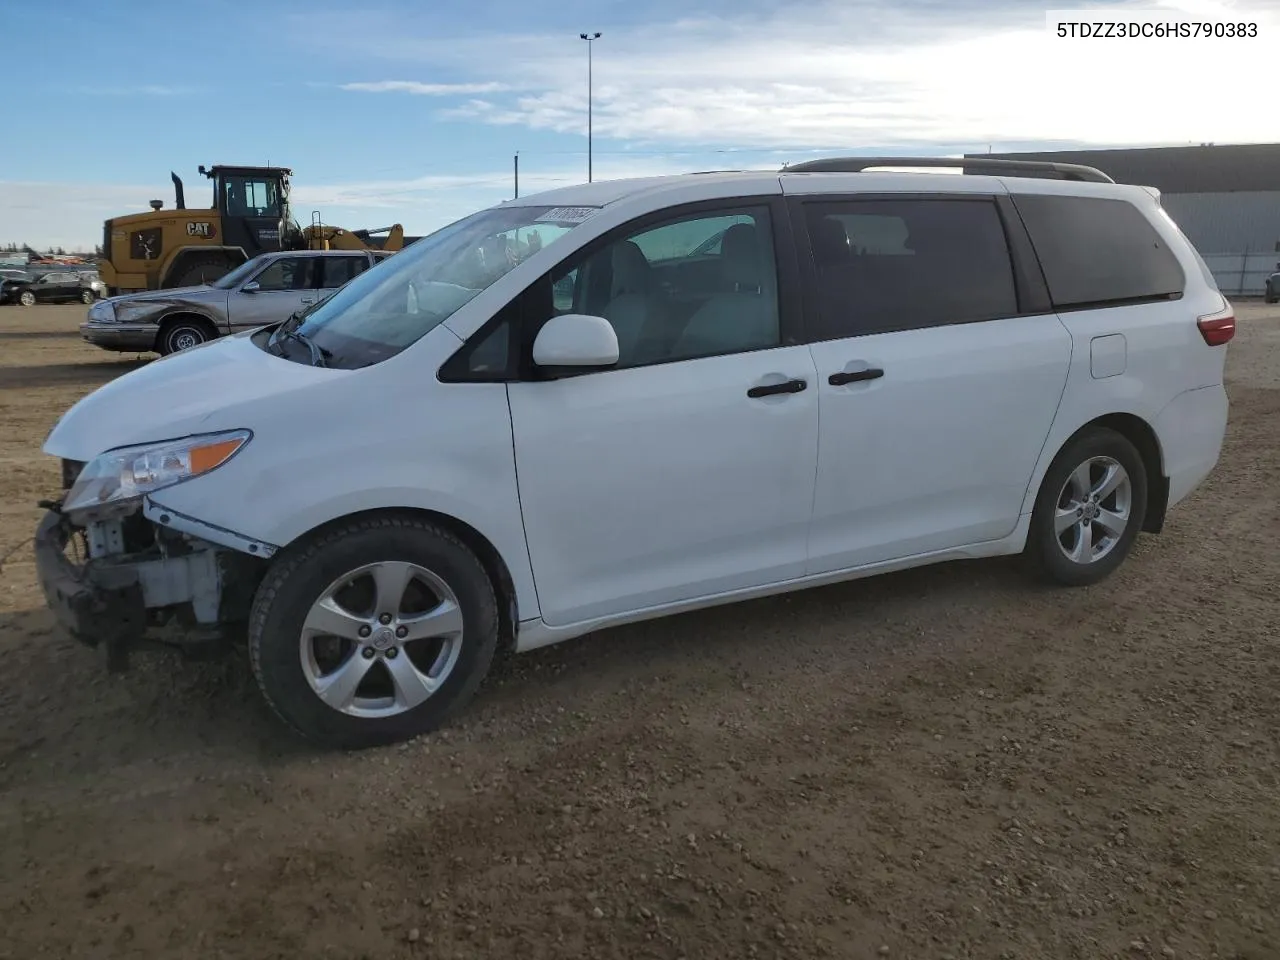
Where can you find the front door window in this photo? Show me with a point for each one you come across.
(287, 273)
(697, 286)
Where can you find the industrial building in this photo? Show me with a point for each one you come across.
(1226, 199)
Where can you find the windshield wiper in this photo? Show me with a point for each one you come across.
(287, 330)
(318, 353)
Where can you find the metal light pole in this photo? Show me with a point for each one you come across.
(589, 37)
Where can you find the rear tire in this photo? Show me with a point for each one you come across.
(183, 333)
(366, 579)
(1090, 509)
(198, 270)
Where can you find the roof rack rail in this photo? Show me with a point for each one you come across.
(1015, 168)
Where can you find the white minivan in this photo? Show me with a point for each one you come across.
(626, 399)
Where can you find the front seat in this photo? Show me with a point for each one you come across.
(630, 308)
(745, 317)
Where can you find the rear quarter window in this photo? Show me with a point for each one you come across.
(1097, 251)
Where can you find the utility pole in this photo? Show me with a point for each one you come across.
(517, 163)
(589, 37)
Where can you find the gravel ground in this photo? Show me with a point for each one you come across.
(948, 762)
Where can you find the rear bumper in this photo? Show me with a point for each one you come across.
(1191, 430)
(123, 337)
(94, 605)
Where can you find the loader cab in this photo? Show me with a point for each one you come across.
(254, 206)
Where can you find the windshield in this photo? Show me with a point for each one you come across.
(238, 275)
(398, 301)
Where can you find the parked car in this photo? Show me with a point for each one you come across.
(58, 286)
(263, 290)
(492, 441)
(1271, 294)
(12, 278)
(94, 282)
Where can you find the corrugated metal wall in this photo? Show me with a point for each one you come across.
(1223, 168)
(1241, 274)
(1238, 234)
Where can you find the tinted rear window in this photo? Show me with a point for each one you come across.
(1096, 251)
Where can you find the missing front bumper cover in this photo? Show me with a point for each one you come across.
(114, 601)
(102, 605)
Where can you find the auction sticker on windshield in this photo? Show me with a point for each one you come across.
(566, 214)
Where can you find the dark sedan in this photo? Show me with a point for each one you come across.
(63, 286)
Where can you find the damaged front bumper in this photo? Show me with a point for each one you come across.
(96, 606)
(139, 580)
(120, 337)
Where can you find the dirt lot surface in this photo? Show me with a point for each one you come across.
(943, 763)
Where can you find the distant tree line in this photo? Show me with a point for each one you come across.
(53, 251)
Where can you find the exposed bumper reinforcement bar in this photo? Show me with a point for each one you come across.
(97, 606)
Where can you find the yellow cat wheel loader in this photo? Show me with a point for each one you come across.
(250, 215)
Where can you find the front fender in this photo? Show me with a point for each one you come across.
(505, 534)
(215, 317)
(327, 454)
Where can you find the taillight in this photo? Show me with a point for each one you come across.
(1218, 328)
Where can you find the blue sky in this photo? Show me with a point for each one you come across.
(410, 111)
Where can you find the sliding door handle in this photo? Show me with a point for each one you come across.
(853, 376)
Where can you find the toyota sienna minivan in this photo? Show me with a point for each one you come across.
(627, 399)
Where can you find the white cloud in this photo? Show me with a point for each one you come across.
(942, 76)
(71, 214)
(845, 74)
(424, 89)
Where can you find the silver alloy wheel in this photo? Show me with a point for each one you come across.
(1094, 509)
(87, 297)
(381, 639)
(27, 298)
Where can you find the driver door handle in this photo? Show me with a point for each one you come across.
(770, 389)
(853, 376)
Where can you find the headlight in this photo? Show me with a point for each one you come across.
(131, 472)
(102, 311)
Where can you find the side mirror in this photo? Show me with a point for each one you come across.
(250, 287)
(576, 340)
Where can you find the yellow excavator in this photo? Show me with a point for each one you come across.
(250, 215)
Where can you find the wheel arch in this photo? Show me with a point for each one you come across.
(177, 316)
(488, 554)
(1143, 436)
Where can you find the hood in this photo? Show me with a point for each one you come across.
(187, 294)
(206, 388)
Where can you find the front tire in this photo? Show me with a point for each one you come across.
(87, 297)
(373, 632)
(182, 334)
(27, 298)
(1090, 509)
